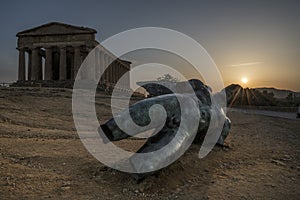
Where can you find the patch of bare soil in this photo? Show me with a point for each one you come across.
(41, 157)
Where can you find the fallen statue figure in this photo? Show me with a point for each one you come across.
(139, 114)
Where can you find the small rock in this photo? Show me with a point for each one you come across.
(277, 162)
(287, 156)
(66, 187)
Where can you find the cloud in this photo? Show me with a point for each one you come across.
(246, 64)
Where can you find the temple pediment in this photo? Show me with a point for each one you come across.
(56, 28)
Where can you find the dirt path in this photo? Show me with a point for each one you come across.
(41, 157)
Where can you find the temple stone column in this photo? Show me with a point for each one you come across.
(117, 77)
(113, 67)
(77, 60)
(97, 63)
(124, 80)
(118, 74)
(48, 65)
(102, 65)
(126, 77)
(63, 64)
(92, 65)
(29, 65)
(106, 61)
(110, 70)
(35, 64)
(72, 66)
(127, 80)
(40, 66)
(21, 71)
(121, 74)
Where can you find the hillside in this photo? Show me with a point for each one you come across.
(279, 93)
(239, 96)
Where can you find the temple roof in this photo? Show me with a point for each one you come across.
(56, 28)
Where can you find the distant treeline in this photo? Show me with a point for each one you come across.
(238, 96)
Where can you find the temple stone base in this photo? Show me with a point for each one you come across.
(108, 88)
(44, 83)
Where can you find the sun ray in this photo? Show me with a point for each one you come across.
(248, 96)
(235, 97)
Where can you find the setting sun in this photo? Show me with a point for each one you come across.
(244, 80)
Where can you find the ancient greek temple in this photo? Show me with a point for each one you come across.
(55, 52)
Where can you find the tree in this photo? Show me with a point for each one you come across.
(271, 94)
(168, 77)
(290, 96)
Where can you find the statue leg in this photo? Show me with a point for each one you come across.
(224, 132)
(154, 143)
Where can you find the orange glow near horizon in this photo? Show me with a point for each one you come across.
(269, 75)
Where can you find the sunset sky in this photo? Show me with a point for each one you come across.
(255, 40)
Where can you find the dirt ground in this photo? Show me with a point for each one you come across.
(41, 157)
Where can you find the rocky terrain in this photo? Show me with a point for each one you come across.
(41, 156)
